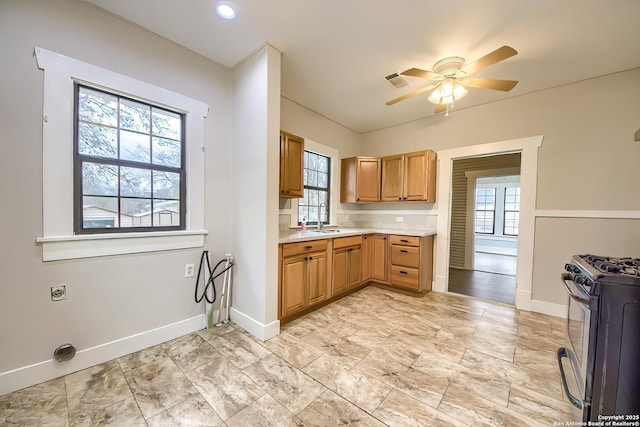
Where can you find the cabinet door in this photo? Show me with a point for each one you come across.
(379, 258)
(293, 284)
(340, 268)
(367, 257)
(316, 279)
(368, 180)
(355, 266)
(392, 176)
(291, 165)
(415, 176)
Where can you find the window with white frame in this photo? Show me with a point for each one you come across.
(485, 210)
(511, 211)
(314, 206)
(61, 239)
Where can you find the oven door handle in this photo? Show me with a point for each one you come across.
(577, 295)
(578, 403)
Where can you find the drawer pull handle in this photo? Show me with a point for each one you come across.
(404, 251)
(308, 247)
(404, 241)
(403, 272)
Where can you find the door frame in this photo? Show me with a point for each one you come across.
(528, 147)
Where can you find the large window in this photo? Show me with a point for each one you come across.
(128, 165)
(485, 210)
(314, 206)
(511, 211)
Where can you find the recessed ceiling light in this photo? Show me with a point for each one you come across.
(225, 10)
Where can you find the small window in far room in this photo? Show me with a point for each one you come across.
(129, 168)
(485, 210)
(315, 203)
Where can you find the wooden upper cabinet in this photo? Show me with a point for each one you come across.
(410, 176)
(360, 179)
(291, 165)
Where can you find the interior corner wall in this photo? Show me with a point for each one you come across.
(256, 148)
(587, 164)
(116, 304)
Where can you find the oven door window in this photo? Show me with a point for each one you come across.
(578, 336)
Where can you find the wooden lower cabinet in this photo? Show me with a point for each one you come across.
(303, 276)
(347, 263)
(374, 258)
(411, 262)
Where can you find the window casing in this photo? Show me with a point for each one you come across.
(485, 210)
(317, 189)
(128, 164)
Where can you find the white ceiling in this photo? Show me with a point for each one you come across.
(336, 53)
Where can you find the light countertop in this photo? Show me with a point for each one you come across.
(292, 236)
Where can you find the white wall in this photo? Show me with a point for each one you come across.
(256, 148)
(587, 165)
(109, 299)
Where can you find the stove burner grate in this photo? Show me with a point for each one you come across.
(624, 266)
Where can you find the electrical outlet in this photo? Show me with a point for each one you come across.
(58, 293)
(399, 219)
(188, 270)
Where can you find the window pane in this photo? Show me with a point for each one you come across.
(99, 179)
(166, 185)
(166, 152)
(99, 212)
(135, 212)
(135, 146)
(135, 116)
(166, 213)
(97, 107)
(96, 140)
(167, 124)
(135, 182)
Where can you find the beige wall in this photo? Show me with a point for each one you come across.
(108, 298)
(587, 165)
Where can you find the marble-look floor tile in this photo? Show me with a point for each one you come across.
(158, 386)
(288, 385)
(332, 410)
(239, 349)
(194, 411)
(226, 388)
(216, 331)
(190, 351)
(123, 413)
(352, 384)
(543, 409)
(293, 350)
(264, 412)
(471, 409)
(142, 357)
(99, 394)
(42, 404)
(399, 409)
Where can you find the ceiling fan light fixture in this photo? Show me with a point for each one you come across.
(447, 92)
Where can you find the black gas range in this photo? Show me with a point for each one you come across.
(600, 363)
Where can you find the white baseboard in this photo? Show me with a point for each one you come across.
(46, 370)
(544, 307)
(259, 330)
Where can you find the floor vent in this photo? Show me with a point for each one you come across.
(396, 80)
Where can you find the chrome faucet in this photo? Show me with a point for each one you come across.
(320, 223)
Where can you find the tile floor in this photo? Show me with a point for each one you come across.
(373, 358)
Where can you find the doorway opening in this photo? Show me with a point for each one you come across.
(484, 227)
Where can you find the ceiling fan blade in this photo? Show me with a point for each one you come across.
(503, 85)
(417, 72)
(440, 108)
(409, 95)
(494, 57)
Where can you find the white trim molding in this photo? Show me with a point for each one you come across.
(550, 213)
(528, 147)
(257, 329)
(36, 373)
(58, 240)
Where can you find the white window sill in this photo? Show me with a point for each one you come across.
(97, 245)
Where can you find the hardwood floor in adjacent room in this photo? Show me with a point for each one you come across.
(372, 358)
(480, 284)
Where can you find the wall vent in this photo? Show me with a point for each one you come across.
(397, 81)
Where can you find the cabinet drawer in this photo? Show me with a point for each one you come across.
(343, 242)
(404, 240)
(408, 256)
(297, 248)
(405, 277)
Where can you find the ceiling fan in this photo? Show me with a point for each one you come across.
(451, 79)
